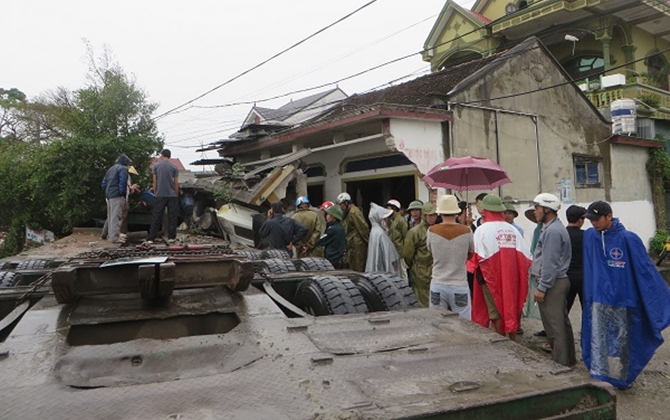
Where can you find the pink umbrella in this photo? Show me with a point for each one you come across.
(467, 173)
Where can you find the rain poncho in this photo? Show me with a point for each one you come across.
(382, 256)
(626, 305)
(504, 260)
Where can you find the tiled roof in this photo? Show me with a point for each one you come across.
(292, 107)
(419, 92)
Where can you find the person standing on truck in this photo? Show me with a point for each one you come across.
(358, 233)
(334, 240)
(115, 186)
(281, 232)
(451, 244)
(551, 260)
(309, 245)
(626, 301)
(417, 255)
(166, 191)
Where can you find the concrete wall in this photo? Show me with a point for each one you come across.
(420, 141)
(630, 181)
(567, 124)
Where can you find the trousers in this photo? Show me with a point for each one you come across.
(554, 313)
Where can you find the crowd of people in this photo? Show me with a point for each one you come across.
(481, 268)
(484, 270)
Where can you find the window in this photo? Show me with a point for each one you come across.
(584, 66)
(587, 171)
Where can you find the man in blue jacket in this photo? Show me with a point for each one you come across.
(626, 301)
(114, 184)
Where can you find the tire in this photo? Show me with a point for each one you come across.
(9, 279)
(251, 255)
(277, 253)
(33, 265)
(276, 265)
(313, 264)
(385, 292)
(330, 295)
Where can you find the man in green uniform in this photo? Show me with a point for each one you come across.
(398, 225)
(358, 233)
(414, 209)
(309, 245)
(418, 257)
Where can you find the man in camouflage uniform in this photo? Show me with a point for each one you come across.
(358, 233)
(309, 245)
(418, 257)
(398, 225)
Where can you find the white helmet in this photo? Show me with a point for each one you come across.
(343, 197)
(394, 203)
(547, 200)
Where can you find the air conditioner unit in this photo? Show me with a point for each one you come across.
(612, 80)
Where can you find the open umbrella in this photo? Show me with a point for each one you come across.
(467, 173)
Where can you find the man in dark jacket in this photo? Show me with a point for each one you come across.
(281, 232)
(334, 239)
(114, 184)
(575, 215)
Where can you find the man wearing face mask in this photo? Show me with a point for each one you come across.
(551, 260)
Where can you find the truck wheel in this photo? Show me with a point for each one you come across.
(9, 279)
(275, 265)
(251, 255)
(385, 292)
(32, 265)
(277, 253)
(313, 264)
(330, 295)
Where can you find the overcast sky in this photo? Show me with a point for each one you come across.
(177, 50)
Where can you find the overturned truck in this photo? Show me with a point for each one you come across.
(206, 332)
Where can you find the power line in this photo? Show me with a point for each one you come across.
(268, 60)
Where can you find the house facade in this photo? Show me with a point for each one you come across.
(516, 107)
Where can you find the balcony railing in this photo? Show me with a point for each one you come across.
(603, 98)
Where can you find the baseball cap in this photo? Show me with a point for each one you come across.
(597, 209)
(574, 213)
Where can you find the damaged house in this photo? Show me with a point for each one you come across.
(517, 107)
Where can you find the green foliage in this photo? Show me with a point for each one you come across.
(658, 164)
(225, 193)
(51, 171)
(652, 100)
(657, 243)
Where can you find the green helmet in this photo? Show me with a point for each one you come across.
(415, 205)
(428, 208)
(335, 211)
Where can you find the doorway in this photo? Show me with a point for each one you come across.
(380, 190)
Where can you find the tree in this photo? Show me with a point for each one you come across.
(10, 100)
(68, 141)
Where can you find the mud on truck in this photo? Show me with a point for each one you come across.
(193, 332)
